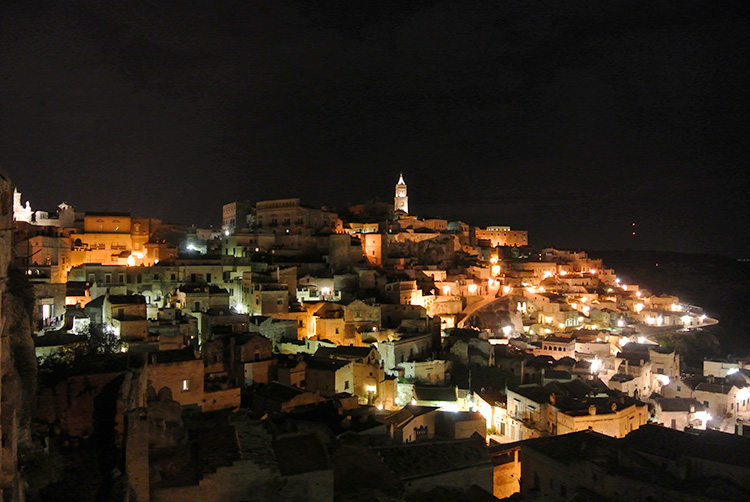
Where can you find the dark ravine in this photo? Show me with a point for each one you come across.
(19, 377)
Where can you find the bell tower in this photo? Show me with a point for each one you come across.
(401, 201)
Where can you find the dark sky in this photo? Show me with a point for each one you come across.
(571, 119)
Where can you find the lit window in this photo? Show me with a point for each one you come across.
(186, 385)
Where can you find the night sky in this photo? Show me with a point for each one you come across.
(570, 119)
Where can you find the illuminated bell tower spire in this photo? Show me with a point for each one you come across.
(401, 201)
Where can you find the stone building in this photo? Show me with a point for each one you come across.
(401, 200)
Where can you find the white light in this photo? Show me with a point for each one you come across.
(664, 379)
(704, 416)
(371, 388)
(507, 330)
(732, 371)
(641, 339)
(596, 365)
(620, 323)
(685, 319)
(226, 233)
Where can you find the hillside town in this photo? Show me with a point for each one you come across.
(353, 354)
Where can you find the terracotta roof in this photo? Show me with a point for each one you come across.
(300, 453)
(419, 460)
(426, 393)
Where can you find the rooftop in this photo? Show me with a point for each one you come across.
(418, 460)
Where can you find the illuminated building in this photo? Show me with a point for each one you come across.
(234, 216)
(502, 236)
(290, 217)
(401, 200)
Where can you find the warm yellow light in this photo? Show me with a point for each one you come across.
(493, 259)
(446, 290)
(592, 271)
(495, 269)
(472, 288)
(638, 307)
(506, 289)
(563, 272)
